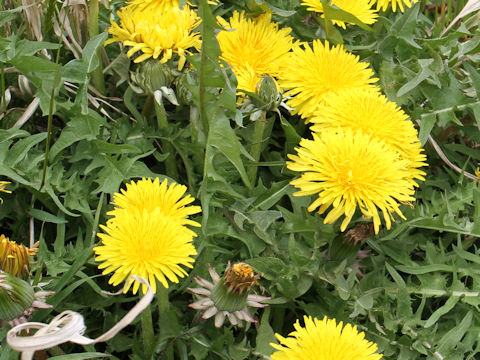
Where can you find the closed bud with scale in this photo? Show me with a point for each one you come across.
(183, 82)
(16, 296)
(151, 76)
(268, 97)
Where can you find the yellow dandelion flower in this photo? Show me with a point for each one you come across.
(324, 339)
(2, 189)
(253, 47)
(15, 258)
(145, 243)
(157, 32)
(312, 74)
(371, 113)
(155, 4)
(361, 9)
(164, 3)
(149, 195)
(383, 4)
(346, 169)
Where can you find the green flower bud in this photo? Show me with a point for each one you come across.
(151, 76)
(16, 296)
(267, 92)
(183, 84)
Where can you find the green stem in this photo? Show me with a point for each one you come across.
(97, 75)
(163, 308)
(56, 83)
(147, 332)
(256, 148)
(4, 99)
(147, 107)
(170, 163)
(195, 133)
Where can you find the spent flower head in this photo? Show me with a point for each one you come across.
(326, 340)
(228, 296)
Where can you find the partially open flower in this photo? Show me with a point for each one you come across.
(2, 189)
(228, 297)
(15, 258)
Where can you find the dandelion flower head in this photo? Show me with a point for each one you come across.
(151, 194)
(361, 9)
(371, 112)
(311, 74)
(15, 258)
(324, 339)
(145, 243)
(348, 169)
(157, 32)
(383, 4)
(253, 47)
(155, 4)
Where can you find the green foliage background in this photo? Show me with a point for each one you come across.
(415, 292)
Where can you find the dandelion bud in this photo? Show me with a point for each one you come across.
(152, 76)
(182, 83)
(268, 97)
(16, 296)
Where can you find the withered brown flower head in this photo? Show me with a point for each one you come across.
(228, 296)
(240, 278)
(359, 233)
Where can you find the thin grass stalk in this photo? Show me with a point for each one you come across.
(97, 75)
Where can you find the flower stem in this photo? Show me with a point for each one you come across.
(170, 164)
(147, 332)
(257, 143)
(163, 308)
(97, 75)
(197, 136)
